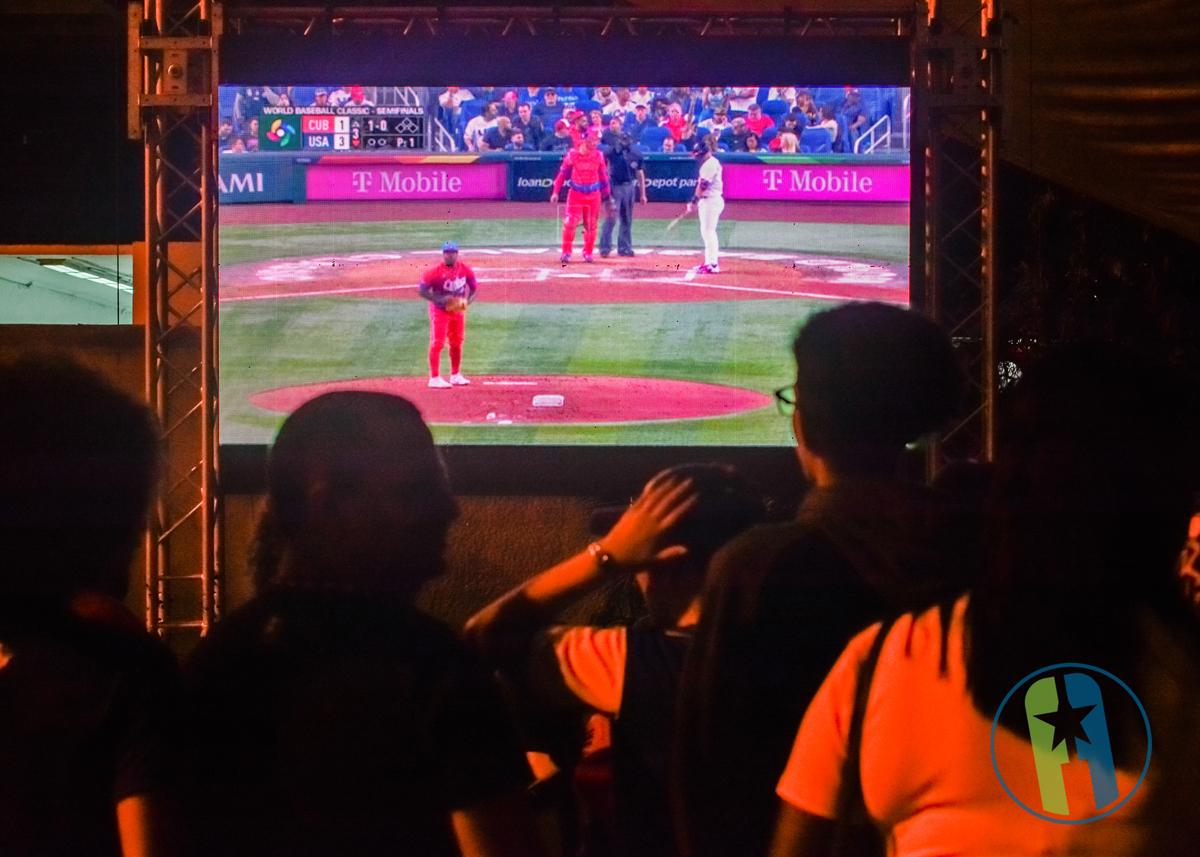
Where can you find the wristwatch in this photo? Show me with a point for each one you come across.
(603, 559)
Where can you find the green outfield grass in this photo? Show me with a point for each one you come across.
(276, 343)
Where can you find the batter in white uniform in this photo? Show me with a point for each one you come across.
(709, 203)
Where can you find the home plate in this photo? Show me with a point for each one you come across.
(558, 399)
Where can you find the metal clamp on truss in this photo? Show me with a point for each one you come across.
(168, 69)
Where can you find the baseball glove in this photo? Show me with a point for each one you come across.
(456, 304)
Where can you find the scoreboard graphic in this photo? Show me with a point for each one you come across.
(342, 129)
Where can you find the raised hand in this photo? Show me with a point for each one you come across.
(633, 541)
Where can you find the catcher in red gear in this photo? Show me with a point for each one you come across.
(586, 173)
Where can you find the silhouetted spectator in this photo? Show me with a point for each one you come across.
(332, 717)
(1189, 574)
(664, 540)
(780, 602)
(1094, 477)
(87, 697)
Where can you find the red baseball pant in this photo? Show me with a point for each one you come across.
(445, 326)
(585, 207)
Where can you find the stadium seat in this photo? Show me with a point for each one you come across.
(704, 115)
(470, 109)
(768, 135)
(226, 97)
(652, 138)
(763, 92)
(587, 105)
(302, 96)
(775, 108)
(815, 141)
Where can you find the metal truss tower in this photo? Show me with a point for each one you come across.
(958, 65)
(173, 60)
(172, 78)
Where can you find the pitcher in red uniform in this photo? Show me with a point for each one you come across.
(448, 286)
(586, 173)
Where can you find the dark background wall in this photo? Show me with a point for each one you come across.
(69, 174)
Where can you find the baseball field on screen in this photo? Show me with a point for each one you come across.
(627, 350)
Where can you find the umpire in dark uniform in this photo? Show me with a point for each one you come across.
(624, 169)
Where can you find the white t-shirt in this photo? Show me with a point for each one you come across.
(710, 171)
(451, 100)
(741, 97)
(476, 128)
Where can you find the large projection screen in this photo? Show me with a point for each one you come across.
(342, 173)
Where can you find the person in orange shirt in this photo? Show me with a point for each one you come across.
(1093, 490)
(664, 540)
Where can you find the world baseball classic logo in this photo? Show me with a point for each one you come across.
(1065, 709)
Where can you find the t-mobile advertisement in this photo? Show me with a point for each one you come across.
(354, 179)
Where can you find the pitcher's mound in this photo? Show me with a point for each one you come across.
(546, 399)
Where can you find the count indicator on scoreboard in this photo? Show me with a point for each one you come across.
(392, 132)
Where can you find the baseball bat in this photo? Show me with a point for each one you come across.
(671, 226)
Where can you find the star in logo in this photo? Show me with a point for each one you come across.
(1067, 721)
